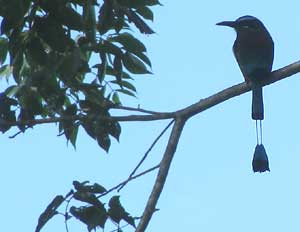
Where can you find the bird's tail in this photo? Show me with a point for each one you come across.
(257, 102)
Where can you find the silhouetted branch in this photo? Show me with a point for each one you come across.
(189, 111)
(132, 178)
(185, 114)
(162, 174)
(146, 154)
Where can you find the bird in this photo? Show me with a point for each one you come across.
(254, 53)
(253, 49)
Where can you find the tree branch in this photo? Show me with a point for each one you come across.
(236, 90)
(162, 174)
(146, 154)
(127, 180)
(134, 109)
(189, 111)
(182, 116)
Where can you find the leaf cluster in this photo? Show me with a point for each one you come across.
(68, 58)
(93, 213)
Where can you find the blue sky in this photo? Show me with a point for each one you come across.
(211, 186)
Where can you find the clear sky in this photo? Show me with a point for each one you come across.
(211, 186)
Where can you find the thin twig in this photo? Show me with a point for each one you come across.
(146, 154)
(135, 109)
(132, 178)
(15, 135)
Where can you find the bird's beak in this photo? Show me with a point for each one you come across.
(227, 23)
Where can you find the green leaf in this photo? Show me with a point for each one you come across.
(127, 92)
(3, 49)
(30, 100)
(153, 2)
(70, 66)
(105, 18)
(92, 216)
(115, 98)
(25, 115)
(144, 58)
(5, 71)
(52, 33)
(12, 90)
(134, 64)
(108, 47)
(102, 68)
(112, 72)
(104, 141)
(116, 211)
(139, 23)
(83, 187)
(49, 212)
(145, 12)
(88, 198)
(127, 85)
(6, 114)
(13, 15)
(73, 136)
(69, 127)
(114, 130)
(35, 51)
(89, 19)
(132, 3)
(129, 43)
(70, 18)
(118, 68)
(17, 64)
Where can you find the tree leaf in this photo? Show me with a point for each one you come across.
(118, 68)
(84, 187)
(88, 198)
(35, 51)
(144, 58)
(152, 2)
(12, 15)
(109, 47)
(117, 212)
(127, 92)
(132, 3)
(130, 43)
(49, 212)
(89, 19)
(115, 98)
(145, 12)
(52, 33)
(134, 64)
(104, 141)
(139, 23)
(92, 216)
(127, 85)
(105, 18)
(69, 127)
(5, 71)
(3, 49)
(69, 17)
(73, 136)
(114, 130)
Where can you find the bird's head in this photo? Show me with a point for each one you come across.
(245, 24)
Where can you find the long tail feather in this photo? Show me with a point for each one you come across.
(257, 102)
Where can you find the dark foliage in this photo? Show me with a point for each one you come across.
(93, 214)
(71, 59)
